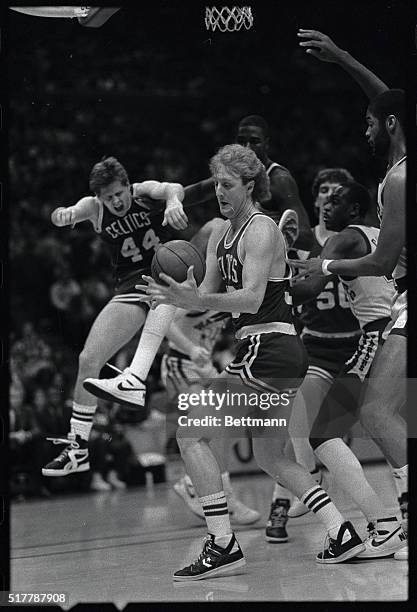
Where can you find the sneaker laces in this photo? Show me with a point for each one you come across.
(206, 542)
(372, 531)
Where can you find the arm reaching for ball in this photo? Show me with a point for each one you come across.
(85, 209)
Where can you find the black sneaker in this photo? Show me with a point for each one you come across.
(213, 561)
(347, 545)
(278, 517)
(74, 457)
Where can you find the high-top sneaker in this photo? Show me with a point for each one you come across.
(346, 545)
(385, 537)
(74, 457)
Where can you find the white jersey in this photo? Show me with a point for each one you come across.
(370, 297)
(400, 269)
(202, 328)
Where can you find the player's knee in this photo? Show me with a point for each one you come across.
(88, 361)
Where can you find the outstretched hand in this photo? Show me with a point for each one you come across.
(175, 215)
(306, 268)
(183, 295)
(320, 45)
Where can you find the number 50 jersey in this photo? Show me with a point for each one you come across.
(132, 238)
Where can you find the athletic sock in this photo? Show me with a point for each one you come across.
(349, 475)
(317, 500)
(82, 419)
(400, 476)
(154, 330)
(216, 514)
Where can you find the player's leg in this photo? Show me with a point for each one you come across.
(336, 417)
(115, 325)
(122, 388)
(306, 406)
(380, 415)
(221, 553)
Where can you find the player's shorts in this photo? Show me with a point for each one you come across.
(125, 292)
(178, 373)
(270, 362)
(398, 323)
(327, 356)
(373, 336)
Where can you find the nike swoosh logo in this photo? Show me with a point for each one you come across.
(375, 543)
(122, 388)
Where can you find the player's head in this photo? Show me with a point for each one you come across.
(385, 119)
(239, 176)
(325, 182)
(253, 132)
(110, 182)
(349, 203)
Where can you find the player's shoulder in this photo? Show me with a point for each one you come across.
(262, 226)
(396, 177)
(215, 225)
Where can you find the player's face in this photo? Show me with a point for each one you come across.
(325, 191)
(253, 137)
(336, 210)
(231, 193)
(116, 197)
(377, 136)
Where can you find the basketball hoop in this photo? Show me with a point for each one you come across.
(229, 19)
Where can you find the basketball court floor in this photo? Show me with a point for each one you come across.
(123, 546)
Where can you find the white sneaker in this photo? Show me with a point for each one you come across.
(126, 388)
(239, 513)
(288, 225)
(384, 539)
(98, 483)
(402, 555)
(186, 491)
(115, 481)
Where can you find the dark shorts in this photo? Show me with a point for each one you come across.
(327, 356)
(270, 362)
(125, 292)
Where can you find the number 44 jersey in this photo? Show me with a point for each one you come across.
(132, 238)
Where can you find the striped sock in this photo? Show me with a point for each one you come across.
(216, 513)
(317, 500)
(82, 419)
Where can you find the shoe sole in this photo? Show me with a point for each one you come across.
(82, 468)
(298, 513)
(276, 540)
(349, 554)
(218, 571)
(401, 556)
(185, 500)
(106, 395)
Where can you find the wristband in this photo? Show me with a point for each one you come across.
(325, 265)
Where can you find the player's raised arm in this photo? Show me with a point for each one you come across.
(321, 46)
(172, 193)
(198, 193)
(85, 209)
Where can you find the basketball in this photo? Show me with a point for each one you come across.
(174, 258)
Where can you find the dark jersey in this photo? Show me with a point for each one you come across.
(133, 238)
(276, 305)
(329, 313)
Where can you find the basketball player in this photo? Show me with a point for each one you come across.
(385, 133)
(283, 199)
(253, 132)
(330, 336)
(248, 255)
(186, 368)
(122, 219)
(370, 298)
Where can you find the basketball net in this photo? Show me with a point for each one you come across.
(53, 11)
(228, 19)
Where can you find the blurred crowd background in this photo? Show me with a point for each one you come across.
(157, 91)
